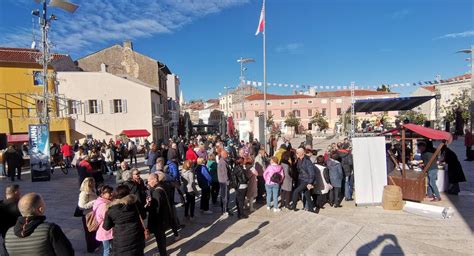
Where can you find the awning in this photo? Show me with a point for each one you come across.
(135, 133)
(14, 138)
(423, 131)
(391, 104)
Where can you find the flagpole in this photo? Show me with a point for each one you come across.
(265, 81)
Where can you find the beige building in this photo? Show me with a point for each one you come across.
(124, 61)
(102, 105)
(235, 96)
(448, 89)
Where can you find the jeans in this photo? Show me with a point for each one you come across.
(432, 187)
(307, 195)
(106, 244)
(272, 192)
(224, 194)
(348, 186)
(334, 196)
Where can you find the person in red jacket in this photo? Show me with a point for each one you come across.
(191, 155)
(67, 152)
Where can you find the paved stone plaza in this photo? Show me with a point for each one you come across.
(349, 230)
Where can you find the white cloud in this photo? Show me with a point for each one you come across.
(468, 33)
(401, 14)
(104, 21)
(292, 48)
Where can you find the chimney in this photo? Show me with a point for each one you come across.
(128, 44)
(103, 67)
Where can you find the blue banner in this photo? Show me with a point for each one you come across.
(39, 152)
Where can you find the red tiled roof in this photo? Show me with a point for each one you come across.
(430, 88)
(461, 77)
(276, 97)
(348, 93)
(23, 55)
(212, 101)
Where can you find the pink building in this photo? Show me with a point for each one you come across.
(330, 104)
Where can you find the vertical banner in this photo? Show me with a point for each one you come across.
(244, 130)
(39, 152)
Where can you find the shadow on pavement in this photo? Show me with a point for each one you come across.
(390, 247)
(243, 239)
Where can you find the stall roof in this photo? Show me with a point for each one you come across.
(425, 132)
(16, 138)
(136, 133)
(390, 104)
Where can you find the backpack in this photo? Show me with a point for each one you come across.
(276, 178)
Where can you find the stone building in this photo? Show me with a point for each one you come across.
(123, 61)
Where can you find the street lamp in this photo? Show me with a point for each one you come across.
(471, 51)
(242, 69)
(45, 54)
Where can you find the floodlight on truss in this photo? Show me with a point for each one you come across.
(67, 6)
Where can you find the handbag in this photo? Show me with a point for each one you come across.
(91, 223)
(78, 212)
(145, 230)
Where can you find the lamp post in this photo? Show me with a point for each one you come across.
(471, 51)
(242, 69)
(45, 54)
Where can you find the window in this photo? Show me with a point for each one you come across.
(310, 102)
(338, 100)
(295, 102)
(282, 103)
(71, 107)
(269, 103)
(118, 106)
(310, 112)
(338, 111)
(282, 113)
(297, 113)
(324, 101)
(310, 126)
(323, 112)
(94, 107)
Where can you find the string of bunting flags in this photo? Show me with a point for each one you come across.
(348, 87)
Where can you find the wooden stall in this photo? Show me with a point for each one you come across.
(413, 182)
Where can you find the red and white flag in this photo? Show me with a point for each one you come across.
(261, 22)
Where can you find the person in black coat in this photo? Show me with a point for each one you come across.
(14, 160)
(455, 172)
(306, 177)
(160, 212)
(123, 216)
(9, 210)
(137, 187)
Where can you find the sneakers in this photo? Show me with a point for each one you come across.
(276, 210)
(207, 212)
(435, 199)
(268, 208)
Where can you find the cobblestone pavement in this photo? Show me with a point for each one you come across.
(349, 230)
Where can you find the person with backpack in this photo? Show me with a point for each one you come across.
(274, 176)
(239, 182)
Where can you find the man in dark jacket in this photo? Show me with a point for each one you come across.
(14, 160)
(9, 211)
(348, 167)
(306, 176)
(152, 155)
(31, 235)
(137, 187)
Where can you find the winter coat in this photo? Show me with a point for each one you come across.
(191, 155)
(12, 158)
(252, 174)
(34, 236)
(66, 149)
(173, 170)
(160, 213)
(455, 172)
(279, 153)
(212, 167)
(123, 216)
(100, 207)
(203, 176)
(223, 170)
(9, 212)
(172, 154)
(140, 191)
(346, 162)
(86, 200)
(260, 164)
(287, 184)
(188, 184)
(272, 169)
(306, 171)
(335, 173)
(238, 178)
(151, 158)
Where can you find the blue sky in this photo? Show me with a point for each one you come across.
(312, 42)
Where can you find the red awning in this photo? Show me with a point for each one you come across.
(430, 133)
(13, 138)
(135, 133)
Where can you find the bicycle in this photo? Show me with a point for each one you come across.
(58, 162)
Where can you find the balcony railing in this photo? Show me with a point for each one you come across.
(28, 105)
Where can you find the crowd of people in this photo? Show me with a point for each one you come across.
(121, 216)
